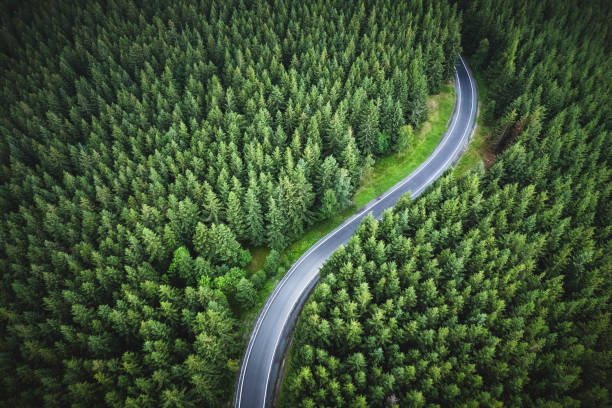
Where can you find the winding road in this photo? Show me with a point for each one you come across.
(265, 350)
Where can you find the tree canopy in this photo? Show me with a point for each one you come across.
(144, 145)
(490, 289)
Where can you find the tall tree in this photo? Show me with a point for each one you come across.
(367, 135)
(235, 215)
(275, 229)
(254, 217)
(416, 94)
(329, 203)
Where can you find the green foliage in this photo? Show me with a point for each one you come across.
(244, 258)
(228, 283)
(137, 136)
(416, 93)
(254, 217)
(273, 262)
(245, 294)
(383, 144)
(182, 266)
(235, 215)
(342, 189)
(258, 279)
(276, 234)
(368, 129)
(218, 244)
(480, 56)
(329, 205)
(491, 288)
(406, 139)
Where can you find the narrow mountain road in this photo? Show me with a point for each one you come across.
(265, 350)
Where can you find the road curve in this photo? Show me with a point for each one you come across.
(260, 364)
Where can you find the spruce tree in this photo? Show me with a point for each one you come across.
(329, 203)
(235, 215)
(367, 135)
(416, 94)
(275, 229)
(254, 217)
(212, 206)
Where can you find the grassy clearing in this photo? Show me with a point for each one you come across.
(258, 259)
(479, 149)
(386, 172)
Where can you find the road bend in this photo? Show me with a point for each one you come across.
(265, 350)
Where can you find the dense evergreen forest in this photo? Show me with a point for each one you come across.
(492, 289)
(146, 146)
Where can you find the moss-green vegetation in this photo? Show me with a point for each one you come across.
(480, 149)
(145, 145)
(258, 259)
(494, 287)
(387, 171)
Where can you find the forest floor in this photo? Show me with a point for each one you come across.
(386, 172)
(480, 148)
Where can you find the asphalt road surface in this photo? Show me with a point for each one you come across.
(265, 350)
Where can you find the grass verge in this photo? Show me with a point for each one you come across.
(258, 259)
(391, 169)
(386, 172)
(397, 166)
(479, 149)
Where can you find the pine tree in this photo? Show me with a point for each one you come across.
(212, 206)
(336, 134)
(254, 217)
(343, 189)
(397, 121)
(501, 73)
(182, 266)
(480, 56)
(273, 262)
(235, 216)
(329, 203)
(437, 69)
(350, 160)
(275, 229)
(153, 244)
(245, 294)
(416, 95)
(367, 135)
(386, 115)
(217, 243)
(406, 139)
(327, 174)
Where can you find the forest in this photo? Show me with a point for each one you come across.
(492, 288)
(147, 147)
